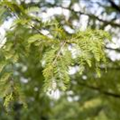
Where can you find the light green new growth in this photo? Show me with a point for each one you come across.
(55, 51)
(89, 46)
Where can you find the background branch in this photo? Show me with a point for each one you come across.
(107, 93)
(116, 7)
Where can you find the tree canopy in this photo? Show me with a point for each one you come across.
(59, 60)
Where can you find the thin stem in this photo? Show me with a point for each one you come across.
(59, 52)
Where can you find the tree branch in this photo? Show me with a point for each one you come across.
(101, 20)
(114, 5)
(89, 15)
(107, 93)
(82, 13)
(114, 49)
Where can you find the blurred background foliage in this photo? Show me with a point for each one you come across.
(88, 97)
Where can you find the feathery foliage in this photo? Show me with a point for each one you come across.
(57, 51)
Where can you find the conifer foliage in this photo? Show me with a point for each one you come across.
(56, 51)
